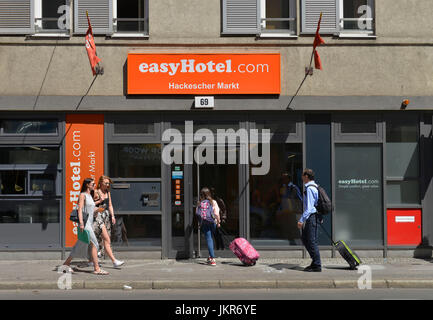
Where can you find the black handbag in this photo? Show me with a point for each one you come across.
(74, 216)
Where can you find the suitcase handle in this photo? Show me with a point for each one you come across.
(327, 234)
(225, 236)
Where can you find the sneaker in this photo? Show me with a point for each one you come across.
(118, 263)
(212, 262)
(312, 268)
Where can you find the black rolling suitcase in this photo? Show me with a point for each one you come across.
(350, 256)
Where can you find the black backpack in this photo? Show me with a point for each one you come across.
(223, 209)
(324, 204)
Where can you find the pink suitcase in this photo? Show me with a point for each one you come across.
(244, 251)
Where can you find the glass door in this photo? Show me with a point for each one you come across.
(186, 181)
(358, 194)
(223, 181)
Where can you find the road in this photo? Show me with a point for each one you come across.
(220, 294)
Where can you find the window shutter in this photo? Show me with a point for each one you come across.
(100, 14)
(241, 16)
(311, 10)
(17, 17)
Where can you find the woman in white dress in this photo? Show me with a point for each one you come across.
(81, 249)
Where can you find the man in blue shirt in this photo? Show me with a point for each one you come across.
(308, 223)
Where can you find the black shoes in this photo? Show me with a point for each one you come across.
(312, 268)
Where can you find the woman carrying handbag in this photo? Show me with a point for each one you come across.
(83, 249)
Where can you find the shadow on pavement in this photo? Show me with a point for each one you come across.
(281, 266)
(337, 268)
(236, 264)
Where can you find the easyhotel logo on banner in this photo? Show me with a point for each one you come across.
(204, 73)
(84, 158)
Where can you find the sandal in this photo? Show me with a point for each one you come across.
(65, 269)
(101, 272)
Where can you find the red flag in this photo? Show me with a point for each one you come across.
(317, 61)
(317, 42)
(90, 47)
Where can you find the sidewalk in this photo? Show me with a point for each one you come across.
(229, 273)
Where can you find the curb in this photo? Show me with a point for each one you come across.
(222, 284)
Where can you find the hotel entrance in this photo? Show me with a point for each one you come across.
(187, 240)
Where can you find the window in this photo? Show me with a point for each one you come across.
(259, 17)
(343, 17)
(277, 17)
(29, 155)
(30, 196)
(138, 231)
(112, 17)
(130, 17)
(29, 17)
(402, 162)
(134, 160)
(132, 126)
(358, 127)
(356, 16)
(275, 198)
(25, 127)
(277, 127)
(52, 16)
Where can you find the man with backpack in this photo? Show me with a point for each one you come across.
(308, 223)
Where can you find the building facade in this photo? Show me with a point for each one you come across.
(60, 124)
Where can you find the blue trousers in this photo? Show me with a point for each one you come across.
(310, 239)
(208, 228)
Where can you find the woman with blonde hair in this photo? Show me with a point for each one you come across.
(105, 217)
(81, 248)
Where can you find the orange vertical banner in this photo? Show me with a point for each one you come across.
(84, 158)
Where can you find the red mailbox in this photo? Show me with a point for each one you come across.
(404, 227)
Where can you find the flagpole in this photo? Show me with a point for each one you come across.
(307, 72)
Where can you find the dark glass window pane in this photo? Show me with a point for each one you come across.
(350, 9)
(29, 155)
(213, 126)
(318, 158)
(29, 212)
(402, 132)
(43, 183)
(403, 192)
(130, 10)
(358, 127)
(133, 127)
(277, 9)
(50, 10)
(134, 160)
(277, 127)
(402, 150)
(274, 204)
(137, 230)
(13, 182)
(29, 127)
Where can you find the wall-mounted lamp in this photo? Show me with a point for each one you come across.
(404, 104)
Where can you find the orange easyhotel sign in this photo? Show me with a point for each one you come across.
(84, 157)
(204, 73)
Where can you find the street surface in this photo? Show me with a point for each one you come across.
(220, 294)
